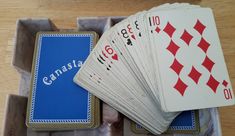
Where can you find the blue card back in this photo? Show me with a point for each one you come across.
(55, 98)
(186, 122)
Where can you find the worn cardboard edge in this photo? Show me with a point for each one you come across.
(217, 123)
(23, 29)
(5, 116)
(6, 111)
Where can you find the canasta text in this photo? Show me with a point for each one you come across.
(48, 80)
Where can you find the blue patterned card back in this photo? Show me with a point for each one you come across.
(55, 101)
(186, 122)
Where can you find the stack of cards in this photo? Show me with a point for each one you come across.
(185, 123)
(55, 102)
(158, 62)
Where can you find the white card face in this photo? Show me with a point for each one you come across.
(106, 77)
(191, 65)
(155, 62)
(151, 22)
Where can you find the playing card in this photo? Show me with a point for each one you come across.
(151, 23)
(53, 101)
(190, 60)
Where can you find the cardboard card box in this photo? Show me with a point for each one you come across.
(112, 121)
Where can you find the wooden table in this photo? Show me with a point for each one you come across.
(64, 14)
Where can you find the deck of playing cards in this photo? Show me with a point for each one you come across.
(185, 123)
(158, 62)
(55, 102)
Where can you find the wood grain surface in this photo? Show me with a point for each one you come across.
(64, 13)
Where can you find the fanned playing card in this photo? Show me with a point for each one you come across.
(192, 69)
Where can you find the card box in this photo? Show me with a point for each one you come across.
(112, 121)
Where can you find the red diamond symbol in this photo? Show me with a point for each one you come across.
(186, 37)
(203, 44)
(157, 29)
(212, 83)
(169, 29)
(173, 48)
(180, 86)
(176, 66)
(199, 27)
(225, 83)
(208, 64)
(194, 75)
